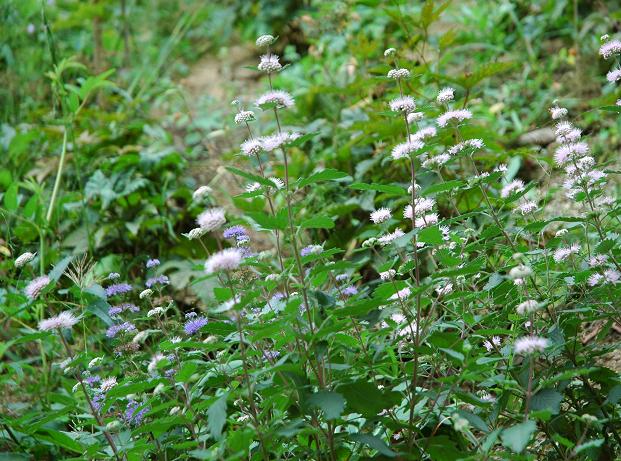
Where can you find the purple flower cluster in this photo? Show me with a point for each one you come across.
(159, 280)
(118, 289)
(125, 327)
(134, 417)
(271, 355)
(116, 310)
(235, 232)
(98, 400)
(350, 291)
(92, 380)
(192, 326)
(153, 263)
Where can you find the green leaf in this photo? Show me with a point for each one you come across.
(267, 221)
(216, 416)
(187, 370)
(442, 187)
(318, 222)
(596, 443)
(373, 442)
(365, 398)
(547, 399)
(516, 437)
(59, 269)
(324, 175)
(331, 403)
(10, 197)
(393, 190)
(250, 176)
(454, 354)
(61, 439)
(430, 235)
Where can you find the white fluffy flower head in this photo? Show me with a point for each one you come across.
(281, 99)
(225, 260)
(530, 344)
(211, 219)
(445, 95)
(269, 63)
(63, 320)
(244, 116)
(380, 215)
(265, 40)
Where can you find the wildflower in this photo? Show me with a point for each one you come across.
(265, 40)
(612, 276)
(124, 327)
(402, 104)
(311, 250)
(444, 290)
(273, 142)
(413, 117)
(515, 186)
(421, 206)
(404, 149)
(140, 337)
(563, 253)
(489, 345)
(211, 219)
(108, 384)
(401, 294)
(159, 280)
(114, 276)
(35, 287)
(235, 232)
(155, 311)
(398, 73)
(594, 279)
(269, 63)
(227, 259)
(271, 355)
(380, 215)
(598, 260)
(390, 52)
(527, 206)
(278, 183)
(530, 344)
(520, 272)
(426, 220)
(527, 307)
(558, 112)
(341, 277)
(458, 115)
(445, 95)
(118, 289)
(152, 263)
(134, 417)
(201, 192)
(436, 161)
(195, 233)
(175, 339)
(63, 320)
(155, 360)
(193, 325)
(420, 135)
(92, 380)
(390, 237)
(244, 116)
(281, 99)
(145, 293)
(567, 152)
(610, 48)
(350, 291)
(24, 259)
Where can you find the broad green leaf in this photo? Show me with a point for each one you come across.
(547, 399)
(318, 222)
(216, 416)
(10, 198)
(331, 403)
(517, 437)
(430, 235)
(393, 190)
(373, 442)
(324, 175)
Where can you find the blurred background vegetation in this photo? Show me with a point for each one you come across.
(137, 95)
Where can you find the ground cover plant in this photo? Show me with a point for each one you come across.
(406, 244)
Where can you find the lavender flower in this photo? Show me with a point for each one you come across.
(235, 232)
(192, 326)
(281, 99)
(211, 219)
(311, 250)
(118, 289)
(116, 310)
(350, 291)
(134, 417)
(152, 263)
(457, 115)
(34, 288)
(124, 327)
(159, 280)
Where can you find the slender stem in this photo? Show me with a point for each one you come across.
(59, 174)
